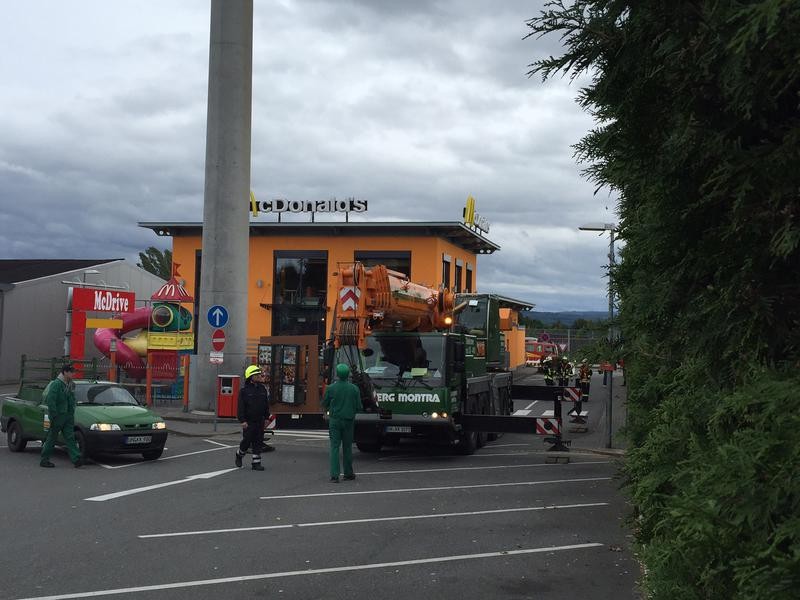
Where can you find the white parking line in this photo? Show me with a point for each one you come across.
(506, 445)
(307, 572)
(136, 464)
(531, 405)
(483, 468)
(217, 443)
(482, 454)
(156, 486)
(438, 488)
(306, 434)
(376, 520)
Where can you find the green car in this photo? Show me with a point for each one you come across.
(108, 419)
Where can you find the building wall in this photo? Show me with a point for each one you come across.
(34, 313)
(426, 265)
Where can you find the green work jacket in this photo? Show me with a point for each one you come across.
(60, 399)
(342, 399)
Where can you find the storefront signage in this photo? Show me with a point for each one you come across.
(280, 205)
(103, 300)
(473, 219)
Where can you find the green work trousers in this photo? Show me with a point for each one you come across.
(64, 425)
(340, 432)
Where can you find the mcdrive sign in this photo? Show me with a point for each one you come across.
(103, 300)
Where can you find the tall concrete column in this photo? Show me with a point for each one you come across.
(226, 235)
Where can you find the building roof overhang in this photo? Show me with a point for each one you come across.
(455, 232)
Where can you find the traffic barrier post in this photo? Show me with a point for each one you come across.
(558, 444)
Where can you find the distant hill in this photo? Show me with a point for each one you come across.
(567, 317)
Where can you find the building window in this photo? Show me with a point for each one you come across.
(394, 260)
(446, 260)
(299, 293)
(468, 282)
(457, 285)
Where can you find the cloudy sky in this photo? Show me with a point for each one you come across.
(411, 105)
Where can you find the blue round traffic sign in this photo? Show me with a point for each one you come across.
(217, 316)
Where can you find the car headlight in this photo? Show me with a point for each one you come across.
(104, 427)
(159, 425)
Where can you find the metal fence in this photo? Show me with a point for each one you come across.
(571, 341)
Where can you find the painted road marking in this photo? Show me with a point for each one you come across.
(314, 434)
(523, 412)
(531, 405)
(483, 454)
(156, 486)
(549, 413)
(307, 572)
(377, 520)
(438, 488)
(136, 464)
(483, 468)
(217, 443)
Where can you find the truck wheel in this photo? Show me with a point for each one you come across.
(467, 443)
(370, 447)
(153, 454)
(16, 442)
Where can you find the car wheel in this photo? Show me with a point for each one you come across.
(80, 439)
(153, 454)
(16, 441)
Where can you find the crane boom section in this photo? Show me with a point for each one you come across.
(377, 298)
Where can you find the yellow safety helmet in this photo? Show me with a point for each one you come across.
(251, 370)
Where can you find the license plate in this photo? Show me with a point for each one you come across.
(139, 439)
(398, 429)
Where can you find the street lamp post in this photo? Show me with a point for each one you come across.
(612, 229)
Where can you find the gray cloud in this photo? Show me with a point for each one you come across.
(411, 105)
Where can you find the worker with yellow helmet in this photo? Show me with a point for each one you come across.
(253, 412)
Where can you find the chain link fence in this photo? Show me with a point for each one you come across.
(571, 341)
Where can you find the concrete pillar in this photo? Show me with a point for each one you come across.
(226, 236)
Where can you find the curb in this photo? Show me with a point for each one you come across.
(615, 452)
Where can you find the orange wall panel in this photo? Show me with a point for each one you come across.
(426, 265)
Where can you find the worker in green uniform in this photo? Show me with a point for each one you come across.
(342, 400)
(59, 396)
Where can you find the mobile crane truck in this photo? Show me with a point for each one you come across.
(422, 358)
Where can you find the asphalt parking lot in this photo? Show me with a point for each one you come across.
(417, 522)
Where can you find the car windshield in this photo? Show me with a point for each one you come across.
(106, 394)
(404, 357)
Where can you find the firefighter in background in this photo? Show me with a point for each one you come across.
(549, 370)
(584, 377)
(564, 371)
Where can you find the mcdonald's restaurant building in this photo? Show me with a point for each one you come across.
(292, 286)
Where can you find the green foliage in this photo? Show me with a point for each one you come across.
(157, 262)
(698, 132)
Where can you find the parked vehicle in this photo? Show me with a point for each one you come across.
(536, 351)
(108, 419)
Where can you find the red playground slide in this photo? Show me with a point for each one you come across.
(126, 357)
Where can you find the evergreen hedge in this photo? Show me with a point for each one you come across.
(698, 132)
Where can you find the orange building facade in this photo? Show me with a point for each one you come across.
(292, 282)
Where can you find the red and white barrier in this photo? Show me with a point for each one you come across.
(548, 426)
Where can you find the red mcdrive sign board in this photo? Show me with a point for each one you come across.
(218, 340)
(103, 300)
(94, 300)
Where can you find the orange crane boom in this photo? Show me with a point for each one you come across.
(377, 298)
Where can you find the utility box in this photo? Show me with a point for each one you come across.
(227, 395)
